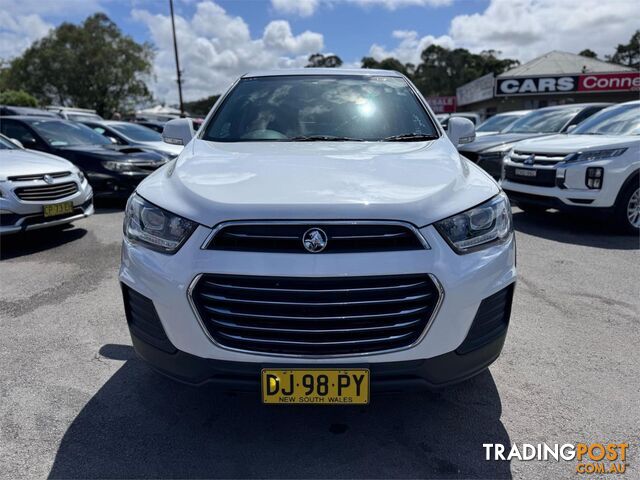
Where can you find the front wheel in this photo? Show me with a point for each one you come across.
(628, 209)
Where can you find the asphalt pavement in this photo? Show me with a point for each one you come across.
(75, 402)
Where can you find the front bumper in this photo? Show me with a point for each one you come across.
(19, 216)
(466, 280)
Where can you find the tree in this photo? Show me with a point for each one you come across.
(389, 63)
(319, 60)
(201, 107)
(92, 65)
(17, 98)
(588, 53)
(628, 54)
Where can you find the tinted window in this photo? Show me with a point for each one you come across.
(137, 133)
(59, 133)
(497, 123)
(619, 120)
(288, 107)
(543, 121)
(17, 131)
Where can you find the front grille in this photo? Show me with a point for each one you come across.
(38, 176)
(341, 238)
(519, 156)
(315, 316)
(543, 178)
(46, 192)
(490, 322)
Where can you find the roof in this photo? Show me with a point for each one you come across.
(324, 71)
(574, 105)
(563, 63)
(29, 111)
(35, 118)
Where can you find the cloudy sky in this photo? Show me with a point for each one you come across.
(222, 39)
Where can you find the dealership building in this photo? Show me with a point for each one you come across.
(555, 78)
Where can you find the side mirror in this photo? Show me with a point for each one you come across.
(17, 142)
(113, 139)
(461, 130)
(571, 128)
(178, 131)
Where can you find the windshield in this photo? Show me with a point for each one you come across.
(138, 133)
(322, 107)
(84, 117)
(543, 121)
(497, 123)
(59, 133)
(6, 144)
(619, 120)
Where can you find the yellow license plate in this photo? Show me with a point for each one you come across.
(316, 387)
(58, 209)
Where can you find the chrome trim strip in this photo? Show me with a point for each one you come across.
(222, 225)
(432, 318)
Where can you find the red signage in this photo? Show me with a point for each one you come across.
(442, 104)
(609, 82)
(584, 83)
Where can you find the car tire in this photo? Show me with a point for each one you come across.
(627, 210)
(531, 207)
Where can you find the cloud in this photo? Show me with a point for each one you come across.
(410, 46)
(303, 8)
(395, 4)
(216, 47)
(17, 32)
(524, 29)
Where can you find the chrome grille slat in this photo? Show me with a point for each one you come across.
(37, 176)
(315, 316)
(46, 192)
(402, 313)
(314, 304)
(334, 290)
(394, 326)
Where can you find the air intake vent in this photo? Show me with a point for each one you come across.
(315, 316)
(46, 192)
(341, 238)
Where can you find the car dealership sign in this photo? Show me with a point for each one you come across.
(546, 85)
(442, 104)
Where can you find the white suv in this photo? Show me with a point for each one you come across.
(319, 235)
(595, 168)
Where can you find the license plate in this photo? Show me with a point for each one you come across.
(58, 209)
(318, 387)
(525, 172)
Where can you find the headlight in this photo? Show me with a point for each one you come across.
(119, 166)
(154, 227)
(595, 155)
(480, 226)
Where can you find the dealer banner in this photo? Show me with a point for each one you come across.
(541, 85)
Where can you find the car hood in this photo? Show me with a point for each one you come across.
(570, 143)
(27, 162)
(112, 152)
(484, 142)
(164, 147)
(417, 182)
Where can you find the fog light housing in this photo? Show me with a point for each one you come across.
(594, 178)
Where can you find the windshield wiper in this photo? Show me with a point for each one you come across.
(323, 138)
(410, 137)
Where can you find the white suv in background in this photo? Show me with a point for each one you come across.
(595, 168)
(39, 190)
(320, 234)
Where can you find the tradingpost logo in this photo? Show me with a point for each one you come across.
(592, 458)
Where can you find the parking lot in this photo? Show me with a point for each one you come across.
(77, 403)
